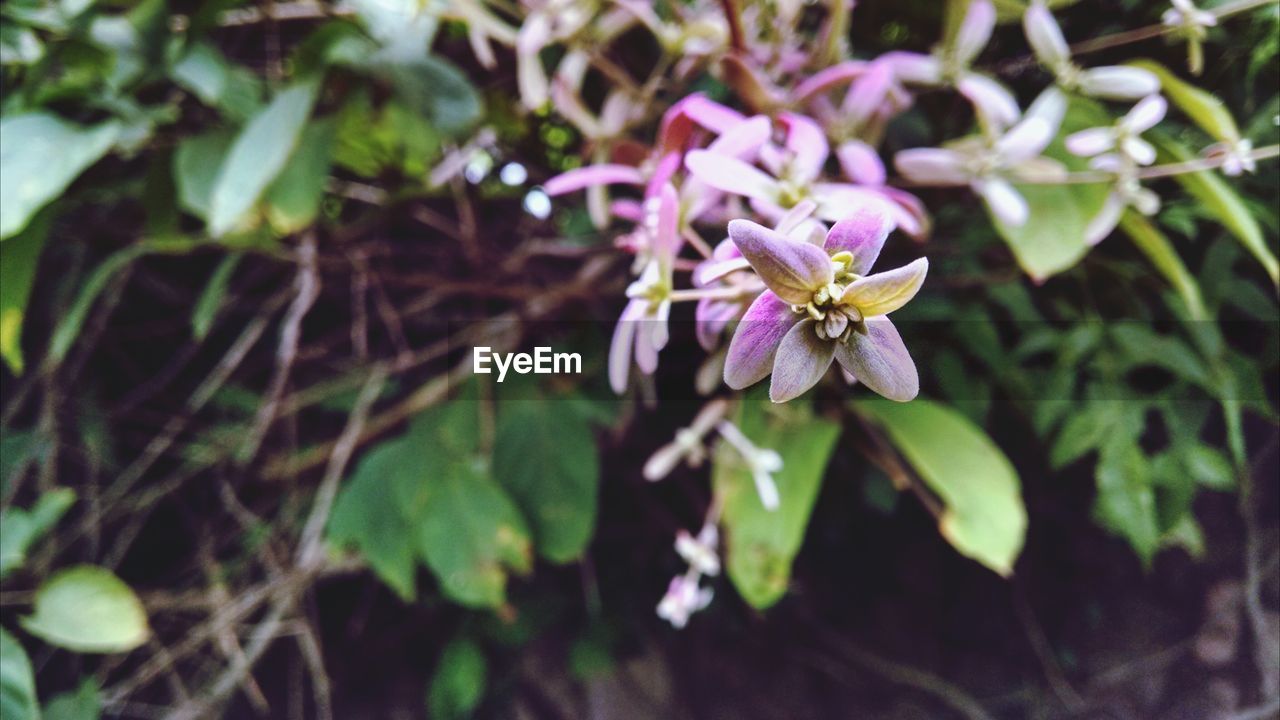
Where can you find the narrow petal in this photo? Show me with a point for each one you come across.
(802, 360)
(1045, 36)
(1106, 220)
(710, 114)
(863, 234)
(1093, 141)
(579, 178)
(882, 293)
(793, 270)
(755, 341)
(933, 165)
(860, 163)
(730, 175)
(1050, 106)
(744, 139)
(1004, 201)
(807, 144)
(908, 213)
(837, 201)
(914, 67)
(1025, 140)
(1149, 111)
(531, 77)
(867, 94)
(1140, 150)
(1119, 83)
(620, 347)
(990, 98)
(828, 78)
(880, 360)
(666, 228)
(709, 272)
(974, 32)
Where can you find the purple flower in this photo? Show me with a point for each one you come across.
(642, 328)
(822, 305)
(795, 167)
(989, 166)
(1112, 82)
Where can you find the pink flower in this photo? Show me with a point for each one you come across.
(863, 166)
(795, 169)
(822, 305)
(642, 328)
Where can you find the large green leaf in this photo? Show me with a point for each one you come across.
(17, 681)
(19, 258)
(545, 456)
(20, 528)
(983, 516)
(209, 76)
(429, 495)
(258, 155)
(40, 154)
(88, 609)
(1126, 502)
(84, 703)
(761, 544)
(195, 169)
(367, 517)
(1053, 237)
(293, 200)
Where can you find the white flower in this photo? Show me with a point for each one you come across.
(1113, 82)
(700, 551)
(1186, 16)
(1125, 135)
(763, 463)
(1236, 157)
(1127, 192)
(683, 599)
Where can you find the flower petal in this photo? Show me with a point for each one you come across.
(867, 94)
(807, 144)
(1106, 220)
(1004, 201)
(583, 177)
(755, 341)
(744, 139)
(860, 163)
(1025, 140)
(933, 165)
(620, 347)
(1141, 151)
(1144, 116)
(914, 67)
(829, 78)
(1045, 36)
(882, 293)
(863, 234)
(730, 175)
(1119, 83)
(880, 360)
(1093, 141)
(989, 98)
(793, 270)
(802, 359)
(974, 32)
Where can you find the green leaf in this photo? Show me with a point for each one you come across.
(983, 516)
(88, 609)
(40, 155)
(195, 169)
(1218, 198)
(761, 544)
(83, 703)
(19, 528)
(213, 296)
(1204, 109)
(436, 89)
(17, 681)
(258, 155)
(293, 200)
(429, 495)
(1142, 346)
(1126, 503)
(545, 456)
(207, 74)
(1053, 237)
(366, 516)
(458, 685)
(19, 258)
(1165, 258)
(68, 328)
